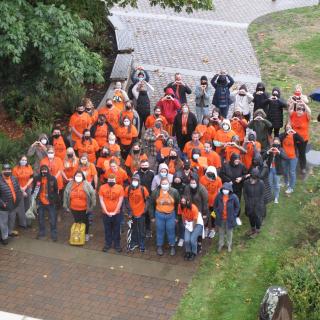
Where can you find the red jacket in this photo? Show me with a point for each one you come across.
(169, 107)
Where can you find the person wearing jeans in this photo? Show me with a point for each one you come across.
(111, 198)
(164, 203)
(45, 191)
(203, 94)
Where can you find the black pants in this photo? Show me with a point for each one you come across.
(125, 150)
(302, 154)
(81, 217)
(138, 232)
(143, 117)
(276, 131)
(211, 220)
(255, 221)
(183, 139)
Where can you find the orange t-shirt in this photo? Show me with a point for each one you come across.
(87, 147)
(247, 157)
(23, 174)
(165, 203)
(60, 148)
(136, 200)
(289, 147)
(121, 175)
(213, 187)
(94, 116)
(189, 214)
(78, 197)
(118, 99)
(89, 171)
(125, 136)
(130, 163)
(206, 133)
(112, 116)
(189, 146)
(70, 168)
(225, 199)
(101, 135)
(114, 148)
(213, 159)
(79, 122)
(238, 128)
(11, 186)
(44, 191)
(111, 196)
(300, 125)
(55, 165)
(151, 120)
(127, 113)
(223, 137)
(200, 165)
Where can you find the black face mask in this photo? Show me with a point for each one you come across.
(104, 154)
(173, 157)
(86, 137)
(203, 83)
(109, 106)
(276, 145)
(128, 107)
(111, 184)
(251, 138)
(136, 151)
(144, 169)
(158, 125)
(187, 167)
(56, 136)
(70, 156)
(80, 112)
(211, 175)
(7, 174)
(100, 123)
(44, 173)
(183, 205)
(88, 109)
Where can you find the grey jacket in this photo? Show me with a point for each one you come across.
(207, 95)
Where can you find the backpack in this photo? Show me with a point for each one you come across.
(77, 234)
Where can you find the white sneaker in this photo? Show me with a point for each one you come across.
(206, 232)
(87, 237)
(180, 243)
(289, 190)
(211, 234)
(238, 221)
(276, 200)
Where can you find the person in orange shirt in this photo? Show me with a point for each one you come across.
(120, 174)
(213, 159)
(134, 158)
(206, 130)
(252, 147)
(213, 183)
(239, 124)
(127, 134)
(233, 147)
(111, 197)
(112, 145)
(100, 131)
(90, 110)
(128, 112)
(194, 143)
(119, 97)
(223, 136)
(193, 226)
(174, 162)
(59, 143)
(24, 174)
(198, 163)
(111, 113)
(151, 120)
(70, 165)
(80, 198)
(136, 197)
(87, 145)
(79, 121)
(89, 170)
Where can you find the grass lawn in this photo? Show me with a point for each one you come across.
(231, 286)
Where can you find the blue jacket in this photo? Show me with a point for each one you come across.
(233, 207)
(222, 90)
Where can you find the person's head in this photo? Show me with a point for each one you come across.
(87, 103)
(113, 165)
(185, 108)
(257, 160)
(164, 184)
(84, 159)
(237, 113)
(251, 136)
(206, 120)
(80, 109)
(186, 165)
(185, 202)
(163, 170)
(141, 76)
(276, 92)
(6, 170)
(158, 123)
(235, 159)
(44, 170)
(300, 109)
(254, 175)
(109, 103)
(259, 113)
(111, 180)
(288, 129)
(276, 142)
(86, 134)
(23, 161)
(50, 152)
(173, 154)
(225, 125)
(101, 119)
(211, 173)
(111, 138)
(126, 121)
(196, 153)
(195, 137)
(79, 176)
(222, 80)
(226, 188)
(136, 148)
(135, 182)
(216, 114)
(177, 179)
(243, 90)
(194, 182)
(204, 81)
(43, 139)
(260, 87)
(105, 152)
(70, 153)
(144, 165)
(207, 146)
(129, 105)
(56, 133)
(157, 111)
(178, 77)
(118, 85)
(170, 142)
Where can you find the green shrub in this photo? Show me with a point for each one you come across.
(300, 274)
(9, 149)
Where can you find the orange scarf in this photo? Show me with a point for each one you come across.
(184, 123)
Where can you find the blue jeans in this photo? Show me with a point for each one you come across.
(274, 181)
(138, 232)
(202, 112)
(191, 238)
(165, 223)
(112, 230)
(290, 175)
(52, 219)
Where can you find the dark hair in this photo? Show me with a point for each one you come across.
(83, 133)
(79, 171)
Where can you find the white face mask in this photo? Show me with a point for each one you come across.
(163, 174)
(225, 127)
(196, 156)
(84, 161)
(44, 141)
(50, 155)
(78, 179)
(207, 149)
(165, 187)
(135, 183)
(185, 110)
(112, 141)
(23, 162)
(225, 192)
(126, 123)
(193, 185)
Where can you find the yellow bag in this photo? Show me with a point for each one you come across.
(78, 234)
(213, 214)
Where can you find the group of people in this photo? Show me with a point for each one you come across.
(186, 172)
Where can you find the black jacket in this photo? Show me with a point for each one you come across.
(146, 179)
(254, 198)
(277, 159)
(6, 198)
(274, 110)
(183, 91)
(177, 128)
(259, 101)
(143, 103)
(52, 187)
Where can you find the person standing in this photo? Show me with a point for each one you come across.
(111, 113)
(10, 197)
(80, 198)
(39, 150)
(120, 97)
(59, 143)
(259, 97)
(242, 100)
(203, 93)
(45, 191)
(180, 88)
(87, 145)
(111, 197)
(226, 207)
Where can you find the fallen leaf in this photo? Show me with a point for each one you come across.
(45, 276)
(111, 268)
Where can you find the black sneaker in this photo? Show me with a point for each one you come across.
(132, 248)
(5, 241)
(191, 257)
(148, 234)
(186, 256)
(119, 249)
(106, 249)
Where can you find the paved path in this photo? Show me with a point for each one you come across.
(167, 42)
